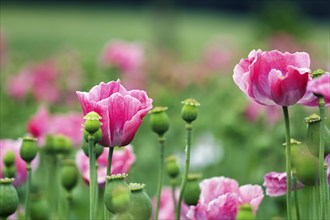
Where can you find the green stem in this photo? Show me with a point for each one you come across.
(173, 183)
(110, 154)
(92, 180)
(69, 199)
(288, 161)
(186, 170)
(295, 181)
(27, 192)
(161, 174)
(323, 184)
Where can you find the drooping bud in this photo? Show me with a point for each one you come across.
(29, 149)
(92, 122)
(8, 198)
(172, 166)
(159, 120)
(9, 158)
(189, 110)
(140, 207)
(192, 191)
(313, 135)
(69, 174)
(245, 212)
(117, 195)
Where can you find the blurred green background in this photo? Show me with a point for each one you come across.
(174, 39)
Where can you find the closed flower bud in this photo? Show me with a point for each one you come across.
(69, 174)
(159, 120)
(192, 191)
(172, 166)
(92, 122)
(9, 172)
(9, 158)
(140, 207)
(245, 212)
(117, 195)
(97, 148)
(8, 198)
(29, 149)
(313, 135)
(189, 110)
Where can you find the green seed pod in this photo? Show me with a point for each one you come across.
(62, 144)
(245, 212)
(117, 195)
(313, 135)
(189, 110)
(296, 149)
(192, 191)
(8, 198)
(29, 149)
(124, 216)
(49, 144)
(141, 207)
(159, 120)
(39, 208)
(9, 172)
(69, 174)
(9, 158)
(307, 168)
(92, 122)
(172, 166)
(97, 148)
(97, 136)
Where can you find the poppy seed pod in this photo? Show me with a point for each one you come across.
(62, 144)
(189, 110)
(8, 198)
(29, 149)
(307, 168)
(69, 174)
(172, 166)
(117, 195)
(97, 148)
(141, 207)
(159, 120)
(9, 158)
(39, 207)
(192, 191)
(92, 122)
(9, 171)
(123, 216)
(245, 212)
(313, 135)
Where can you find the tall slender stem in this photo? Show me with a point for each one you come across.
(161, 173)
(186, 170)
(323, 184)
(296, 196)
(110, 154)
(173, 184)
(288, 161)
(92, 179)
(27, 192)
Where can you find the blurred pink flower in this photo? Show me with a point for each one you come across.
(272, 77)
(218, 56)
(126, 56)
(69, 125)
(166, 208)
(254, 110)
(14, 146)
(122, 111)
(20, 85)
(221, 197)
(320, 86)
(275, 184)
(122, 161)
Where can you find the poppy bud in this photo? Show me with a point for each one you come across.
(159, 120)
(245, 212)
(192, 191)
(92, 122)
(8, 198)
(189, 110)
(172, 166)
(29, 149)
(117, 195)
(141, 207)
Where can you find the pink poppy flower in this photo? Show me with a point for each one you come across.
(221, 197)
(69, 125)
(122, 161)
(166, 207)
(272, 77)
(14, 146)
(125, 56)
(320, 86)
(19, 86)
(122, 111)
(275, 184)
